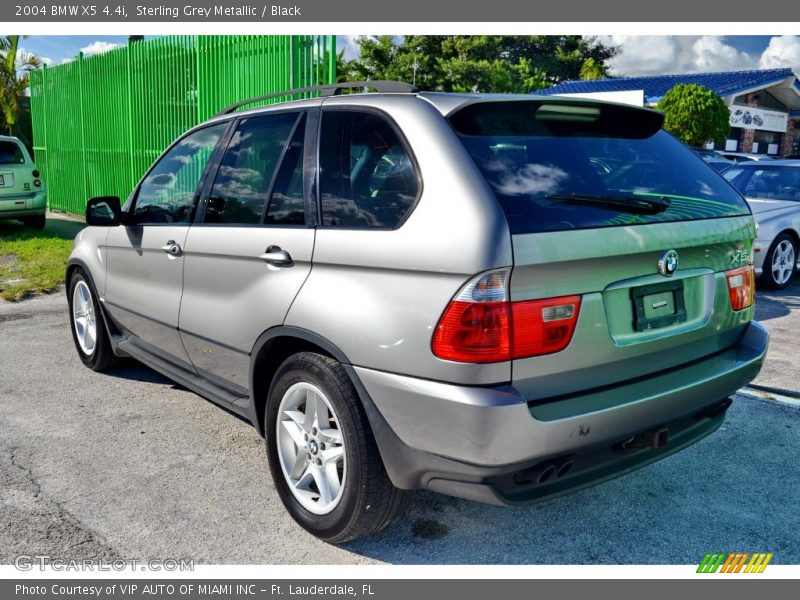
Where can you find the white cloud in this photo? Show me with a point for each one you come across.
(782, 51)
(98, 48)
(642, 55)
(348, 44)
(662, 54)
(711, 53)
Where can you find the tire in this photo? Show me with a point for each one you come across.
(365, 501)
(779, 263)
(85, 316)
(37, 222)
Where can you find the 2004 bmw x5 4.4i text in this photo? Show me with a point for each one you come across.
(501, 298)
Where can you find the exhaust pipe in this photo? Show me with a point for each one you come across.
(544, 472)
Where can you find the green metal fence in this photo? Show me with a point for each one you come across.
(100, 121)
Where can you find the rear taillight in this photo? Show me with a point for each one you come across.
(481, 324)
(543, 326)
(740, 287)
(37, 183)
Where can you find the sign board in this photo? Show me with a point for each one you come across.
(748, 117)
(632, 97)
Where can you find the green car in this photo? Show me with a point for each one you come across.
(22, 192)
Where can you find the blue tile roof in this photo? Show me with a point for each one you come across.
(655, 86)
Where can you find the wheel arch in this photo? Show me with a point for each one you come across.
(789, 232)
(276, 345)
(270, 350)
(792, 233)
(75, 264)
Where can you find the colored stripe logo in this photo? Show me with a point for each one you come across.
(734, 562)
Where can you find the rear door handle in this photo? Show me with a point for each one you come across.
(276, 256)
(172, 248)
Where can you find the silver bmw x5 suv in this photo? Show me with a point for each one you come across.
(501, 298)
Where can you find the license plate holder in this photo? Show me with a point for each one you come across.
(658, 305)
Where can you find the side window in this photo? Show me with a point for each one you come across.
(287, 204)
(168, 192)
(366, 177)
(245, 174)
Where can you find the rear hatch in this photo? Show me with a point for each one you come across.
(596, 196)
(16, 176)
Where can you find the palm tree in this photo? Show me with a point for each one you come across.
(15, 68)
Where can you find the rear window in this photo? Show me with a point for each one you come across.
(556, 167)
(11, 154)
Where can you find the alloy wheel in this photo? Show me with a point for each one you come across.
(783, 262)
(84, 319)
(311, 448)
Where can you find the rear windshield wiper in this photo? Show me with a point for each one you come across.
(630, 204)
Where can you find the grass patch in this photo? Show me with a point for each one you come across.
(32, 262)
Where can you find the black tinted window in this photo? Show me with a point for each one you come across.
(168, 192)
(367, 179)
(243, 180)
(558, 167)
(11, 153)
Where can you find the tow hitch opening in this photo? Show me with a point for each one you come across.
(657, 439)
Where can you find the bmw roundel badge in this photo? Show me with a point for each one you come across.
(668, 263)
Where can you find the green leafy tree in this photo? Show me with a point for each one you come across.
(480, 63)
(15, 68)
(591, 69)
(695, 114)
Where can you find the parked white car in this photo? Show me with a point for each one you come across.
(772, 189)
(22, 193)
(740, 157)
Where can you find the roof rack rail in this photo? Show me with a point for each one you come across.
(333, 89)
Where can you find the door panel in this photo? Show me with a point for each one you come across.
(145, 258)
(143, 285)
(247, 261)
(231, 295)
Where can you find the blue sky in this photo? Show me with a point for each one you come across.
(641, 55)
(58, 48)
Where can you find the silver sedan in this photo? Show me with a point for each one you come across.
(772, 190)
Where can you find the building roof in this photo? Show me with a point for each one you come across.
(724, 83)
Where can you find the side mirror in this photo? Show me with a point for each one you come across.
(104, 211)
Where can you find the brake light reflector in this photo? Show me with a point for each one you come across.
(741, 290)
(481, 325)
(543, 326)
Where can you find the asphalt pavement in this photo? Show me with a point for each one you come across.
(779, 311)
(129, 465)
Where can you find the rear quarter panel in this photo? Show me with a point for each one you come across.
(378, 295)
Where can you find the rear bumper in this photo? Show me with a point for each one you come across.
(26, 205)
(474, 441)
